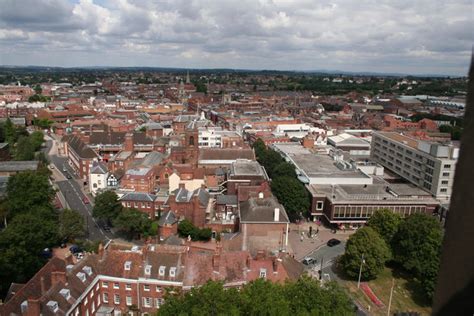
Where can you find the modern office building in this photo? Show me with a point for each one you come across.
(428, 165)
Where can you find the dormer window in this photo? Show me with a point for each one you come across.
(161, 271)
(87, 270)
(24, 306)
(66, 293)
(148, 269)
(128, 265)
(81, 276)
(172, 272)
(53, 305)
(263, 273)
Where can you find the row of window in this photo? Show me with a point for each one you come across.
(147, 301)
(128, 286)
(363, 212)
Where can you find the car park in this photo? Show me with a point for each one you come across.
(333, 242)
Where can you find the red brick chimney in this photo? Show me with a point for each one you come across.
(34, 308)
(216, 258)
(43, 285)
(129, 142)
(101, 250)
(58, 277)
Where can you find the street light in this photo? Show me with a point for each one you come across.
(362, 261)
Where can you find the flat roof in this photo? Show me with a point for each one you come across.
(13, 166)
(244, 167)
(319, 166)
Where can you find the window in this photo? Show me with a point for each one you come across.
(53, 305)
(161, 271)
(147, 302)
(445, 174)
(447, 166)
(93, 306)
(105, 284)
(319, 205)
(105, 297)
(128, 300)
(263, 273)
(116, 285)
(159, 302)
(444, 182)
(128, 265)
(148, 269)
(128, 287)
(116, 299)
(81, 276)
(146, 287)
(172, 272)
(159, 289)
(443, 190)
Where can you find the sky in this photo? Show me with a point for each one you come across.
(400, 36)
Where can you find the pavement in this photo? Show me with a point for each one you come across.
(72, 191)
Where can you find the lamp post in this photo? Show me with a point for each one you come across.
(362, 261)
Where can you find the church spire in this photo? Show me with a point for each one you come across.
(188, 81)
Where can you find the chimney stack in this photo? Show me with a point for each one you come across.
(276, 214)
(260, 255)
(101, 250)
(34, 308)
(43, 285)
(57, 277)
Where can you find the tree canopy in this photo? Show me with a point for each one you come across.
(417, 247)
(71, 225)
(366, 243)
(261, 297)
(132, 222)
(292, 194)
(386, 223)
(186, 228)
(107, 206)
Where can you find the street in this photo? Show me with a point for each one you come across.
(71, 190)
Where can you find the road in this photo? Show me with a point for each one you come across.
(71, 190)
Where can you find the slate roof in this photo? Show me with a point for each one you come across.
(225, 154)
(138, 196)
(98, 168)
(17, 166)
(257, 210)
(167, 218)
(81, 149)
(226, 199)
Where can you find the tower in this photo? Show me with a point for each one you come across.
(188, 81)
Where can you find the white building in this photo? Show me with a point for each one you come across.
(210, 137)
(428, 165)
(98, 176)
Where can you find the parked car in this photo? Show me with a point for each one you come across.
(85, 200)
(309, 261)
(333, 242)
(75, 249)
(68, 176)
(106, 228)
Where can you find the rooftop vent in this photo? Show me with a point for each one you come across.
(81, 276)
(87, 270)
(66, 293)
(53, 305)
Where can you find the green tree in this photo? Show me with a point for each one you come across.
(292, 194)
(366, 243)
(270, 297)
(284, 169)
(186, 228)
(260, 148)
(386, 223)
(417, 247)
(10, 132)
(27, 191)
(37, 139)
(107, 206)
(24, 149)
(132, 222)
(71, 225)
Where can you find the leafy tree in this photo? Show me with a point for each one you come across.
(417, 247)
(133, 222)
(37, 139)
(365, 242)
(29, 190)
(10, 132)
(385, 222)
(260, 297)
(24, 150)
(42, 123)
(260, 148)
(186, 228)
(292, 194)
(107, 206)
(284, 169)
(71, 225)
(38, 89)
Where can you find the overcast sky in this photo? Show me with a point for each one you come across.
(405, 36)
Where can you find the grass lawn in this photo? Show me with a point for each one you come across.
(407, 295)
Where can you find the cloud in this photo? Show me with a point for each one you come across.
(401, 36)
